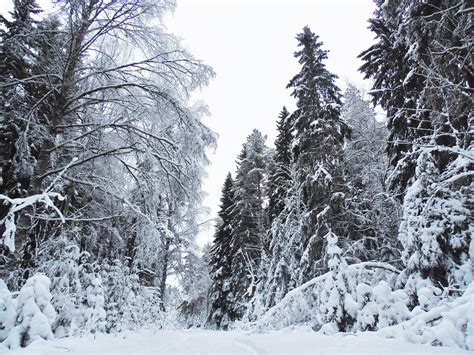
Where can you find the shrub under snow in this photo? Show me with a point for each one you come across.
(448, 324)
(34, 313)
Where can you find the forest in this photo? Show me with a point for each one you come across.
(350, 222)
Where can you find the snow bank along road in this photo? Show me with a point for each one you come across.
(214, 342)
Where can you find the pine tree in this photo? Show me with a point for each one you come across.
(420, 55)
(314, 200)
(249, 220)
(395, 86)
(220, 314)
(435, 231)
(35, 314)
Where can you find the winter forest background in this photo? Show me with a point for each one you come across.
(351, 223)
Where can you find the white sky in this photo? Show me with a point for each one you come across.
(250, 45)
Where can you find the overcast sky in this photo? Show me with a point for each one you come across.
(250, 45)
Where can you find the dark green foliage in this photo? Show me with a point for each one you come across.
(220, 261)
(280, 180)
(249, 219)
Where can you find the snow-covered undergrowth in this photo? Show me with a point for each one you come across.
(448, 324)
(34, 313)
(301, 305)
(362, 297)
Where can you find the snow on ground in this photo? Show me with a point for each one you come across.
(215, 342)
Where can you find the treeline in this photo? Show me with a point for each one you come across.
(349, 223)
(102, 156)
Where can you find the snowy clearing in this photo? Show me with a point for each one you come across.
(218, 342)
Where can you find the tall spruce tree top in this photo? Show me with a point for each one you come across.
(317, 119)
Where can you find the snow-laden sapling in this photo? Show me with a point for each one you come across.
(92, 309)
(35, 314)
(338, 309)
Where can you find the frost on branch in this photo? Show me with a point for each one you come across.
(17, 204)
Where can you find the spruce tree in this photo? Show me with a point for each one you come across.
(314, 200)
(279, 182)
(317, 152)
(422, 73)
(249, 220)
(18, 43)
(220, 262)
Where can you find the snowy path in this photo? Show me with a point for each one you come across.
(205, 342)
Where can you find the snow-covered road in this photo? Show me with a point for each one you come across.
(213, 342)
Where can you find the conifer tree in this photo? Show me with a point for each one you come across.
(336, 301)
(279, 180)
(318, 198)
(249, 220)
(423, 79)
(220, 262)
(18, 43)
(314, 201)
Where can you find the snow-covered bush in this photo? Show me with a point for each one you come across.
(7, 311)
(367, 315)
(35, 314)
(380, 306)
(447, 324)
(60, 262)
(308, 303)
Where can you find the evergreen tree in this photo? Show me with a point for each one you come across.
(317, 196)
(220, 314)
(337, 304)
(435, 231)
(35, 314)
(249, 220)
(280, 180)
(18, 44)
(423, 76)
(422, 51)
(314, 201)
(387, 62)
